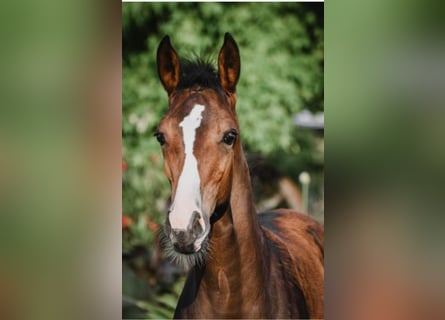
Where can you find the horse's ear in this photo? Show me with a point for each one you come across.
(168, 65)
(229, 64)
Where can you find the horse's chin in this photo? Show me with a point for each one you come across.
(185, 261)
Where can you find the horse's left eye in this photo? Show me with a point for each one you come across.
(230, 137)
(160, 137)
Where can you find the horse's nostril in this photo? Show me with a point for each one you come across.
(196, 227)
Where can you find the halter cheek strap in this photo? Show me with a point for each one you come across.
(219, 211)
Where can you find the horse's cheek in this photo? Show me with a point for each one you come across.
(224, 181)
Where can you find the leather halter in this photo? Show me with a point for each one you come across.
(219, 211)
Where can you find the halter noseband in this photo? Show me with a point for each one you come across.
(219, 211)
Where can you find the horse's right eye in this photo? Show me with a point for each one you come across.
(160, 137)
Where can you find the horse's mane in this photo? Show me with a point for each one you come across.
(198, 72)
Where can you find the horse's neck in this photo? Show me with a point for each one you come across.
(236, 261)
(243, 212)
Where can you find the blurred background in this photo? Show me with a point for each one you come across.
(280, 110)
(385, 156)
(61, 155)
(60, 160)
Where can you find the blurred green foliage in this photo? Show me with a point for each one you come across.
(282, 54)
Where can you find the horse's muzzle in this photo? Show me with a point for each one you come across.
(184, 240)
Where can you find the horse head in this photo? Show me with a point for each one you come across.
(199, 137)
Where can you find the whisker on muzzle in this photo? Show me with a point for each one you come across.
(184, 261)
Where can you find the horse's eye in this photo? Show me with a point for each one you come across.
(160, 137)
(230, 137)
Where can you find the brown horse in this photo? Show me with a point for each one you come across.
(242, 264)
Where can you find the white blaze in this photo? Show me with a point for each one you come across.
(188, 194)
